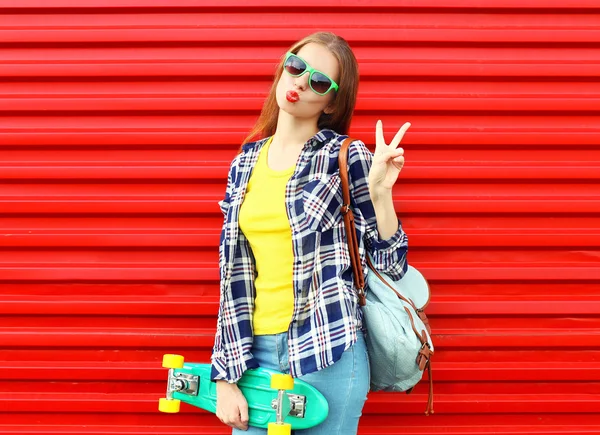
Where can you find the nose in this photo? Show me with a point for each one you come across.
(301, 82)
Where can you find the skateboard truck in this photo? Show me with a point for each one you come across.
(184, 383)
(296, 405)
(284, 405)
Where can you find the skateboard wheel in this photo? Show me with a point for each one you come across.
(171, 361)
(282, 382)
(279, 429)
(170, 406)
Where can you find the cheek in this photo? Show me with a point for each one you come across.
(285, 82)
(321, 101)
(283, 86)
(314, 104)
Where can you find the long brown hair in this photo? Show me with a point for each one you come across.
(344, 100)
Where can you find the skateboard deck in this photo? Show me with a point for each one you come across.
(275, 400)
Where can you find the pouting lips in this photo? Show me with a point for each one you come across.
(292, 96)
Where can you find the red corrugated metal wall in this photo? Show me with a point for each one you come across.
(118, 123)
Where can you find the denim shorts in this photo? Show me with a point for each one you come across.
(344, 384)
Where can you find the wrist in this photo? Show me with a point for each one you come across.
(224, 382)
(379, 194)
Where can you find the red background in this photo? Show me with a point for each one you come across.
(119, 120)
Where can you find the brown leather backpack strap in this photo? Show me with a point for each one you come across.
(359, 278)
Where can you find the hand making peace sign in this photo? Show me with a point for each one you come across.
(387, 160)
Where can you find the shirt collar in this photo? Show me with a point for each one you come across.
(322, 136)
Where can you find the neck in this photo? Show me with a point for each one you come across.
(293, 132)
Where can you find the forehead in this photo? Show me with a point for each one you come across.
(319, 57)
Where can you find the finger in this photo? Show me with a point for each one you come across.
(398, 162)
(380, 140)
(392, 154)
(235, 422)
(394, 157)
(399, 135)
(231, 420)
(244, 414)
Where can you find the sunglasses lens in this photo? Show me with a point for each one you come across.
(295, 66)
(320, 83)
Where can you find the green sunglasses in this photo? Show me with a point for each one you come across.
(318, 81)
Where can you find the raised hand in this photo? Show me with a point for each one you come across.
(388, 160)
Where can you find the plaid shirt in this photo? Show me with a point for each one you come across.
(326, 313)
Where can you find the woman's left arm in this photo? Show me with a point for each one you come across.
(387, 163)
(371, 184)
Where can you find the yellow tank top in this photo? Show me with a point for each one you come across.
(264, 221)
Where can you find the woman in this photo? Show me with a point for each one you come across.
(287, 297)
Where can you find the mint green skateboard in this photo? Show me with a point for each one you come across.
(276, 401)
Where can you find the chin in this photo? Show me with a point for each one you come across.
(286, 106)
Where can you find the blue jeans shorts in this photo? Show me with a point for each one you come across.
(344, 384)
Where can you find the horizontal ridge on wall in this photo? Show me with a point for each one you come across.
(259, 5)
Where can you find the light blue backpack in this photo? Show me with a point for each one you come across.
(398, 333)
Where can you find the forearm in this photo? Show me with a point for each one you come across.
(387, 220)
